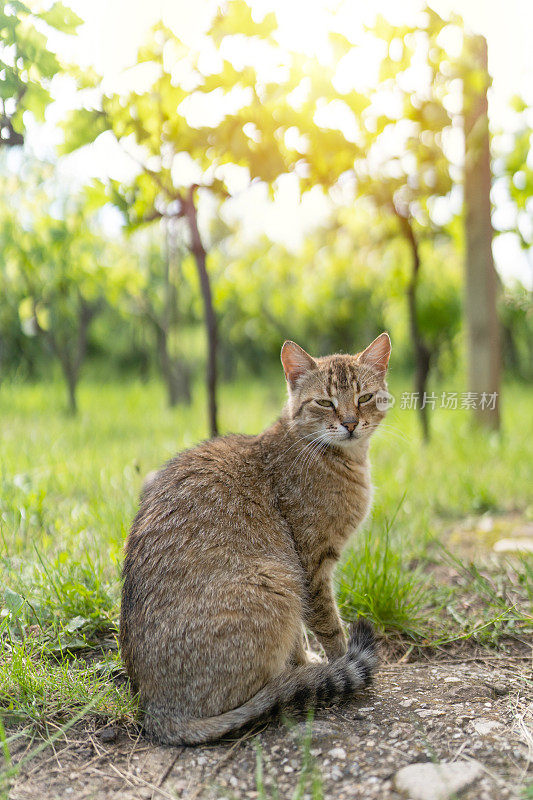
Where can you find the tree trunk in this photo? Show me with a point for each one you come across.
(71, 360)
(421, 351)
(484, 357)
(68, 368)
(510, 351)
(72, 383)
(198, 251)
(175, 371)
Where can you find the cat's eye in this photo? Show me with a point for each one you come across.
(325, 403)
(365, 398)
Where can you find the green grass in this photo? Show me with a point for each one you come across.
(69, 489)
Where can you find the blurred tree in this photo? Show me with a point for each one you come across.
(323, 294)
(155, 299)
(514, 169)
(65, 288)
(484, 356)
(54, 267)
(391, 139)
(516, 315)
(394, 144)
(18, 353)
(26, 64)
(406, 168)
(156, 133)
(249, 116)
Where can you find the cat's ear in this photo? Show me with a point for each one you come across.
(296, 362)
(377, 354)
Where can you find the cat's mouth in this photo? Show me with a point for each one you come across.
(350, 436)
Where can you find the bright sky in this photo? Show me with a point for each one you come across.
(114, 29)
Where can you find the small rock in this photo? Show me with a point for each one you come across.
(287, 768)
(108, 734)
(427, 781)
(513, 546)
(338, 752)
(451, 679)
(336, 774)
(202, 761)
(406, 703)
(524, 530)
(319, 731)
(430, 713)
(485, 726)
(466, 694)
(499, 689)
(485, 524)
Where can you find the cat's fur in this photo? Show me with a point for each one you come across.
(232, 552)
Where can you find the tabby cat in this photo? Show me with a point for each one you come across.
(232, 552)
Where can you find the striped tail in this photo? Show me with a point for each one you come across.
(299, 688)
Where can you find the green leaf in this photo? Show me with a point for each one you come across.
(237, 18)
(341, 45)
(75, 624)
(82, 127)
(36, 100)
(13, 601)
(61, 17)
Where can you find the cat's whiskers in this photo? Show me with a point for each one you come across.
(388, 428)
(322, 446)
(319, 443)
(308, 449)
(300, 439)
(302, 455)
(291, 425)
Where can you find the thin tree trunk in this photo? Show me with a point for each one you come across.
(68, 369)
(71, 360)
(422, 352)
(72, 383)
(510, 351)
(484, 356)
(163, 328)
(198, 251)
(175, 372)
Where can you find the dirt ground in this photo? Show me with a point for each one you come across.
(446, 710)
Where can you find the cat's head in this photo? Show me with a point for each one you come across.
(340, 399)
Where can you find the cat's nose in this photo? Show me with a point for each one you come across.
(350, 424)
